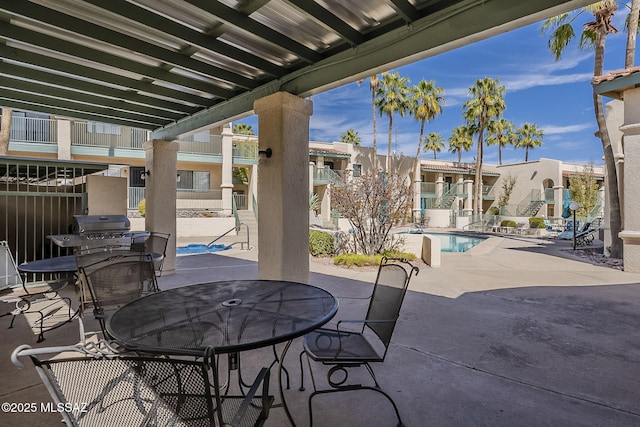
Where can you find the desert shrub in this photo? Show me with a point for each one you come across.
(361, 260)
(142, 207)
(535, 222)
(507, 223)
(494, 210)
(321, 243)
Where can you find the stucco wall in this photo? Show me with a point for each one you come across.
(106, 195)
(529, 176)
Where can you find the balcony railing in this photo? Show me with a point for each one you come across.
(185, 199)
(325, 175)
(90, 134)
(245, 149)
(33, 130)
(212, 147)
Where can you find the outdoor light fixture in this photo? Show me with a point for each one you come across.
(177, 178)
(574, 207)
(145, 174)
(265, 154)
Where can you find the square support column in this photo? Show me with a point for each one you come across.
(160, 194)
(630, 234)
(283, 187)
(227, 169)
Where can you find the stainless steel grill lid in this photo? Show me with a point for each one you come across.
(95, 231)
(84, 224)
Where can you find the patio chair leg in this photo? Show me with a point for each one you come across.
(301, 388)
(354, 388)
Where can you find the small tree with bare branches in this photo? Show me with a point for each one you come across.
(373, 204)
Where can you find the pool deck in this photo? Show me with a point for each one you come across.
(516, 331)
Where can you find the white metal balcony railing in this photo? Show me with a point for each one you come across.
(34, 130)
(185, 199)
(90, 134)
(191, 145)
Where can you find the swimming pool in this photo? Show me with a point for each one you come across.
(452, 242)
(197, 248)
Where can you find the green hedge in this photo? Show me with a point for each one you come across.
(360, 260)
(321, 243)
(507, 223)
(535, 222)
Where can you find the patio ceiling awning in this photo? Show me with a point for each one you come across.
(181, 65)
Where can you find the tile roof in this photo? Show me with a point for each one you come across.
(432, 167)
(327, 152)
(612, 75)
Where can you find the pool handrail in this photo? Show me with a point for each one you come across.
(236, 229)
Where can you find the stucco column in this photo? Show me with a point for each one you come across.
(160, 194)
(630, 234)
(64, 138)
(468, 201)
(283, 187)
(439, 185)
(227, 169)
(253, 187)
(558, 200)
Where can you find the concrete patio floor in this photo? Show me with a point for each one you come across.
(515, 332)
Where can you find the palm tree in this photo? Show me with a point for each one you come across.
(501, 133)
(243, 129)
(425, 104)
(593, 35)
(350, 137)
(486, 104)
(433, 142)
(392, 97)
(529, 137)
(459, 141)
(374, 85)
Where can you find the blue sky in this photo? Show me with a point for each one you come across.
(556, 96)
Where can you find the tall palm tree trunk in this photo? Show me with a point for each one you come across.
(632, 34)
(388, 163)
(615, 216)
(375, 133)
(477, 196)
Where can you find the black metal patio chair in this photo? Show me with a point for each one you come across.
(343, 349)
(95, 385)
(40, 298)
(112, 281)
(155, 242)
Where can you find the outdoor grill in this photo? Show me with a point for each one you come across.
(93, 231)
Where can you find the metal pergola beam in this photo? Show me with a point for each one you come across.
(431, 35)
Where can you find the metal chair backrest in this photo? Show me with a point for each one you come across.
(9, 275)
(389, 290)
(116, 280)
(157, 242)
(130, 390)
(94, 384)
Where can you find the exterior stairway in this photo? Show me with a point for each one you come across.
(532, 208)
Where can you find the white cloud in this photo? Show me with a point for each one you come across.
(560, 130)
(528, 81)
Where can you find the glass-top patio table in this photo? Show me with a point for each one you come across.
(231, 316)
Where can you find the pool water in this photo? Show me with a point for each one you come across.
(452, 242)
(197, 248)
